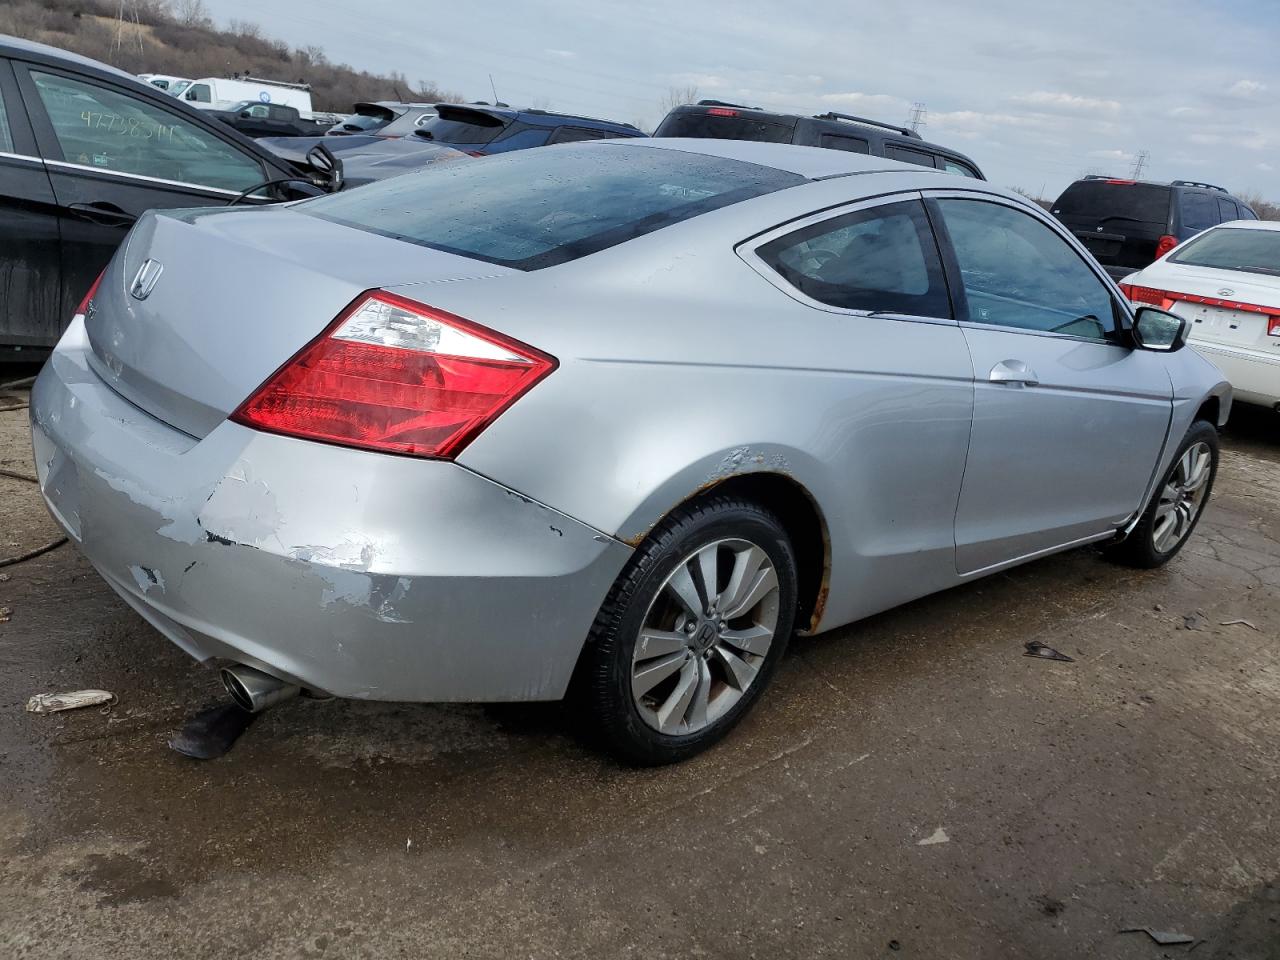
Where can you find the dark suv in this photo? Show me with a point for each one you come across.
(835, 131)
(479, 128)
(1128, 224)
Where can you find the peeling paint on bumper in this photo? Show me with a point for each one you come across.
(350, 572)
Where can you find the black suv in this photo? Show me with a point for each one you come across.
(835, 131)
(1128, 224)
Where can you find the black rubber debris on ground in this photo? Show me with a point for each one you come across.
(212, 732)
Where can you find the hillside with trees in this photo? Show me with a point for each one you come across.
(179, 38)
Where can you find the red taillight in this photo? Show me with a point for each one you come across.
(398, 376)
(84, 304)
(1273, 327)
(1165, 244)
(721, 112)
(1149, 295)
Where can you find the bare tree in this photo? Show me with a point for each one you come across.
(192, 13)
(1265, 209)
(677, 97)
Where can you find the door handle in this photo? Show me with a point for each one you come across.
(1013, 372)
(107, 214)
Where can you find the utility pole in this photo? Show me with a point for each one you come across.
(918, 118)
(1139, 164)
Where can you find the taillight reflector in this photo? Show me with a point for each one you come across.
(1165, 244)
(1149, 295)
(721, 112)
(398, 376)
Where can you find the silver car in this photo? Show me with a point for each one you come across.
(612, 417)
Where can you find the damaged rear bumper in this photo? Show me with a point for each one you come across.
(354, 573)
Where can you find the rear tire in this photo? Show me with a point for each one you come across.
(1176, 505)
(673, 663)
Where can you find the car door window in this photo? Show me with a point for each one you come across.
(1017, 272)
(881, 259)
(907, 155)
(103, 128)
(834, 141)
(1199, 212)
(198, 93)
(1227, 211)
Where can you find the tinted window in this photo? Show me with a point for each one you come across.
(6, 138)
(954, 166)
(724, 128)
(1233, 248)
(462, 126)
(1227, 211)
(535, 208)
(1246, 213)
(1019, 273)
(908, 156)
(881, 259)
(102, 128)
(852, 144)
(1101, 200)
(198, 93)
(574, 134)
(1199, 212)
(521, 139)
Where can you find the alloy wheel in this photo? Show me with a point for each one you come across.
(705, 636)
(1182, 497)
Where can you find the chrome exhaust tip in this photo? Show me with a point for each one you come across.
(254, 690)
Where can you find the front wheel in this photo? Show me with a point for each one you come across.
(1176, 505)
(691, 632)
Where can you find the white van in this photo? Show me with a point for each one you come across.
(217, 93)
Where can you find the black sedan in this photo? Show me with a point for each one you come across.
(85, 149)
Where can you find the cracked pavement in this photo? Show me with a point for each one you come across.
(1135, 787)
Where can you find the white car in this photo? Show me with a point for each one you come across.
(1226, 283)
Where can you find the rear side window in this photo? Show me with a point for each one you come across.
(574, 134)
(1246, 213)
(726, 126)
(1100, 201)
(535, 208)
(882, 259)
(918, 157)
(1199, 212)
(1227, 211)
(954, 166)
(834, 141)
(6, 138)
(1233, 248)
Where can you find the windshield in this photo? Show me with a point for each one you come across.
(1101, 200)
(178, 87)
(724, 128)
(536, 208)
(363, 121)
(1234, 248)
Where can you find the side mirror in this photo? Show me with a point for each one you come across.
(323, 162)
(1155, 329)
(245, 114)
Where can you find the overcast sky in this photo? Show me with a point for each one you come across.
(1038, 94)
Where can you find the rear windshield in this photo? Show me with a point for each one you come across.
(535, 208)
(364, 121)
(1233, 248)
(461, 126)
(1101, 200)
(724, 128)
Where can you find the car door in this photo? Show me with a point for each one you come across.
(30, 264)
(1068, 420)
(113, 153)
(875, 324)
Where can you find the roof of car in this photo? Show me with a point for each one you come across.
(1249, 225)
(815, 163)
(532, 114)
(13, 46)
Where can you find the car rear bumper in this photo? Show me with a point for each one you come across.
(1254, 375)
(349, 572)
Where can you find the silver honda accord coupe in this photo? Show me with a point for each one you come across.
(614, 418)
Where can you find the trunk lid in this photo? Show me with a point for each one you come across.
(1211, 323)
(238, 292)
